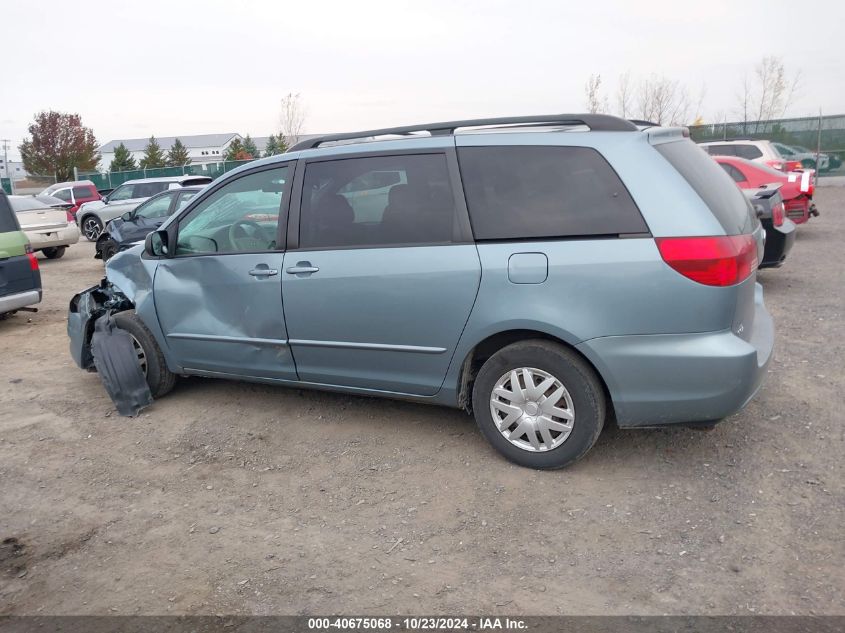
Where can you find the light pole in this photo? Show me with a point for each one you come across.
(6, 164)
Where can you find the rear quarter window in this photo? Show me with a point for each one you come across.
(748, 151)
(518, 192)
(712, 184)
(8, 220)
(83, 192)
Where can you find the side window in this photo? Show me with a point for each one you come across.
(149, 189)
(721, 150)
(748, 151)
(156, 208)
(62, 194)
(537, 191)
(378, 201)
(733, 172)
(240, 217)
(81, 192)
(124, 192)
(183, 199)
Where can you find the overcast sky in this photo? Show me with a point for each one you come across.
(183, 67)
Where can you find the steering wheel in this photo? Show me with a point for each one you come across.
(258, 241)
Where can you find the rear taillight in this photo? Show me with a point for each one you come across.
(712, 261)
(70, 218)
(33, 261)
(793, 165)
(777, 214)
(776, 164)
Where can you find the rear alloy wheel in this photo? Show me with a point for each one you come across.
(109, 250)
(91, 228)
(54, 252)
(539, 404)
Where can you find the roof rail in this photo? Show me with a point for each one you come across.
(596, 122)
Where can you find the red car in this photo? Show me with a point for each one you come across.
(74, 193)
(797, 187)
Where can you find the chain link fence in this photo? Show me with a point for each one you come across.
(111, 179)
(821, 134)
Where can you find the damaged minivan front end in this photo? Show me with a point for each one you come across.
(96, 344)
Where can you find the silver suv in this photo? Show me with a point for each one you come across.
(92, 217)
(547, 273)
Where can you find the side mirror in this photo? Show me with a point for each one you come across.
(156, 244)
(127, 216)
(104, 199)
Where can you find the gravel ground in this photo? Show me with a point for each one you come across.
(243, 499)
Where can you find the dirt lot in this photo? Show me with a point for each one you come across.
(243, 499)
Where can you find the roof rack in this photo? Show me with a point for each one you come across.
(596, 122)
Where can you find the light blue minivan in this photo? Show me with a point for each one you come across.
(547, 273)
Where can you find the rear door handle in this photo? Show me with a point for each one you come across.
(263, 272)
(302, 268)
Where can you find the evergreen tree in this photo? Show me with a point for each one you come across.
(123, 159)
(178, 155)
(282, 144)
(153, 155)
(272, 147)
(250, 148)
(235, 148)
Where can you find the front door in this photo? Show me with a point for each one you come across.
(384, 275)
(219, 299)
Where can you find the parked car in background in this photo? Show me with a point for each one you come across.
(75, 193)
(805, 156)
(517, 273)
(20, 279)
(49, 227)
(93, 216)
(133, 226)
(796, 188)
(756, 150)
(780, 230)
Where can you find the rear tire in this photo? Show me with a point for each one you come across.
(159, 378)
(560, 367)
(54, 252)
(109, 250)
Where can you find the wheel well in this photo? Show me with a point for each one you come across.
(492, 344)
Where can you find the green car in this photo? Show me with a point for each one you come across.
(20, 280)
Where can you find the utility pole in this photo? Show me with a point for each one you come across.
(6, 142)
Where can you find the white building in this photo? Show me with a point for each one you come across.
(13, 170)
(202, 148)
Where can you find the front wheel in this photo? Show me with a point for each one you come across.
(159, 378)
(54, 252)
(91, 227)
(539, 404)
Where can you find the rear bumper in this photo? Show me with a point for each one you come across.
(59, 237)
(779, 241)
(19, 300)
(656, 380)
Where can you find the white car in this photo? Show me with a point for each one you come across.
(760, 151)
(50, 228)
(92, 217)
(807, 157)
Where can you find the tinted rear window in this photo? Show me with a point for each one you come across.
(545, 192)
(712, 184)
(83, 192)
(8, 221)
(748, 151)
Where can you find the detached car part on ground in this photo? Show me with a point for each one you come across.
(619, 280)
(780, 230)
(20, 279)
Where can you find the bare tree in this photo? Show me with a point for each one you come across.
(769, 93)
(292, 118)
(624, 95)
(663, 101)
(593, 92)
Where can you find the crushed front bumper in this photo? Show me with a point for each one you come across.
(85, 308)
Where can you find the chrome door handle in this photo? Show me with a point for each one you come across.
(263, 272)
(299, 270)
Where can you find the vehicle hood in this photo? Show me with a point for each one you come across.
(92, 206)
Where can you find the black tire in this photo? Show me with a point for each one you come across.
(572, 371)
(54, 252)
(109, 250)
(91, 227)
(159, 377)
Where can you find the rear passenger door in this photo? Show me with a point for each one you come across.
(381, 271)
